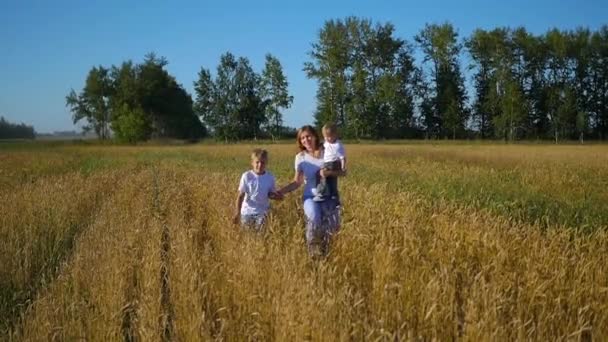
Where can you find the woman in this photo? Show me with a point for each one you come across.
(322, 218)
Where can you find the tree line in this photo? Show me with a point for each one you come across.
(524, 86)
(10, 130)
(548, 86)
(136, 102)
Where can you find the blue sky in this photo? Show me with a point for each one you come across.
(47, 47)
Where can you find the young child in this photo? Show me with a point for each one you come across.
(334, 159)
(256, 187)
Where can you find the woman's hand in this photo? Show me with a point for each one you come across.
(325, 173)
(328, 173)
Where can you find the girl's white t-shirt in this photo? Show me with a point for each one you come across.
(256, 189)
(309, 166)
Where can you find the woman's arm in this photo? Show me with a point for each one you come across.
(298, 179)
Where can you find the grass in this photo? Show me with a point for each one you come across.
(469, 241)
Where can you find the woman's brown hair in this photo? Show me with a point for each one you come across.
(311, 130)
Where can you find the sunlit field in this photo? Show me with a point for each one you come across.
(438, 242)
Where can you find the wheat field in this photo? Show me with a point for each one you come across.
(438, 242)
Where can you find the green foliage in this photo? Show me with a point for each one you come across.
(366, 79)
(512, 111)
(92, 104)
(274, 91)
(557, 78)
(131, 125)
(138, 101)
(238, 103)
(552, 85)
(448, 112)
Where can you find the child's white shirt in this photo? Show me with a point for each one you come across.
(256, 189)
(333, 151)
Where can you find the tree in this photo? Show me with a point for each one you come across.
(224, 121)
(562, 114)
(559, 97)
(489, 53)
(275, 94)
(390, 70)
(440, 46)
(330, 55)
(512, 110)
(598, 82)
(582, 125)
(166, 102)
(579, 52)
(232, 104)
(204, 105)
(130, 123)
(531, 57)
(250, 106)
(406, 76)
(92, 104)
(358, 106)
(429, 121)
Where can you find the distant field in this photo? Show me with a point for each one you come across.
(439, 241)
